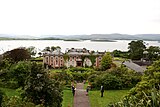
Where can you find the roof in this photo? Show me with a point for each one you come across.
(77, 53)
(133, 66)
(56, 52)
(99, 53)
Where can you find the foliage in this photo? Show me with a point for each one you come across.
(55, 47)
(121, 77)
(47, 48)
(107, 80)
(40, 54)
(81, 69)
(118, 53)
(150, 79)
(80, 74)
(91, 57)
(52, 48)
(32, 50)
(64, 77)
(16, 101)
(5, 64)
(1, 97)
(15, 55)
(19, 72)
(146, 93)
(129, 77)
(66, 57)
(136, 49)
(40, 88)
(153, 53)
(151, 100)
(106, 61)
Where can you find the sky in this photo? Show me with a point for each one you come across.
(70, 17)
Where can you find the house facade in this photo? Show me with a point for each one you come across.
(72, 58)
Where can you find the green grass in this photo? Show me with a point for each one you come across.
(56, 70)
(10, 92)
(119, 59)
(67, 98)
(109, 96)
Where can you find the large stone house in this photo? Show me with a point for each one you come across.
(72, 58)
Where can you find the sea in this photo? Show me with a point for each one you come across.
(7, 45)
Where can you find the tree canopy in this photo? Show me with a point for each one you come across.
(41, 89)
(15, 55)
(106, 61)
(136, 49)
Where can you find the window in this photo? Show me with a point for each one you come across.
(56, 61)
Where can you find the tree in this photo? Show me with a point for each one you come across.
(106, 61)
(150, 79)
(41, 89)
(15, 55)
(146, 93)
(32, 50)
(136, 49)
(55, 47)
(118, 53)
(19, 72)
(153, 53)
(47, 48)
(40, 53)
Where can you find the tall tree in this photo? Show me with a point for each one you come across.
(41, 89)
(16, 55)
(106, 61)
(136, 49)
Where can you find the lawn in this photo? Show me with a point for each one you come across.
(67, 98)
(10, 92)
(56, 70)
(109, 96)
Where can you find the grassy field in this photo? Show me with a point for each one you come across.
(10, 92)
(109, 96)
(67, 98)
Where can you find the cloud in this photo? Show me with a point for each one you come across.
(38, 17)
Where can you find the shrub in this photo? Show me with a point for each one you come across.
(107, 80)
(40, 88)
(16, 101)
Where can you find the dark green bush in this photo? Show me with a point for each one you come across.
(109, 81)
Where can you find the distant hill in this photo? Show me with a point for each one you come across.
(94, 37)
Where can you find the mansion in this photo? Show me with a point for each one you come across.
(72, 58)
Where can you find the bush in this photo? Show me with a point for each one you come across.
(16, 101)
(40, 88)
(147, 92)
(121, 77)
(151, 100)
(1, 97)
(107, 80)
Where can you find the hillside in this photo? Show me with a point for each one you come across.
(94, 37)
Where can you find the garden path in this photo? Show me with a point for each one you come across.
(80, 98)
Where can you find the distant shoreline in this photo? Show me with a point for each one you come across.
(98, 40)
(92, 40)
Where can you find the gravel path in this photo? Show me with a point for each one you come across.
(80, 98)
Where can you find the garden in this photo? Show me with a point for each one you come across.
(26, 83)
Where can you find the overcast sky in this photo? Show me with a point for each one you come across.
(65, 17)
